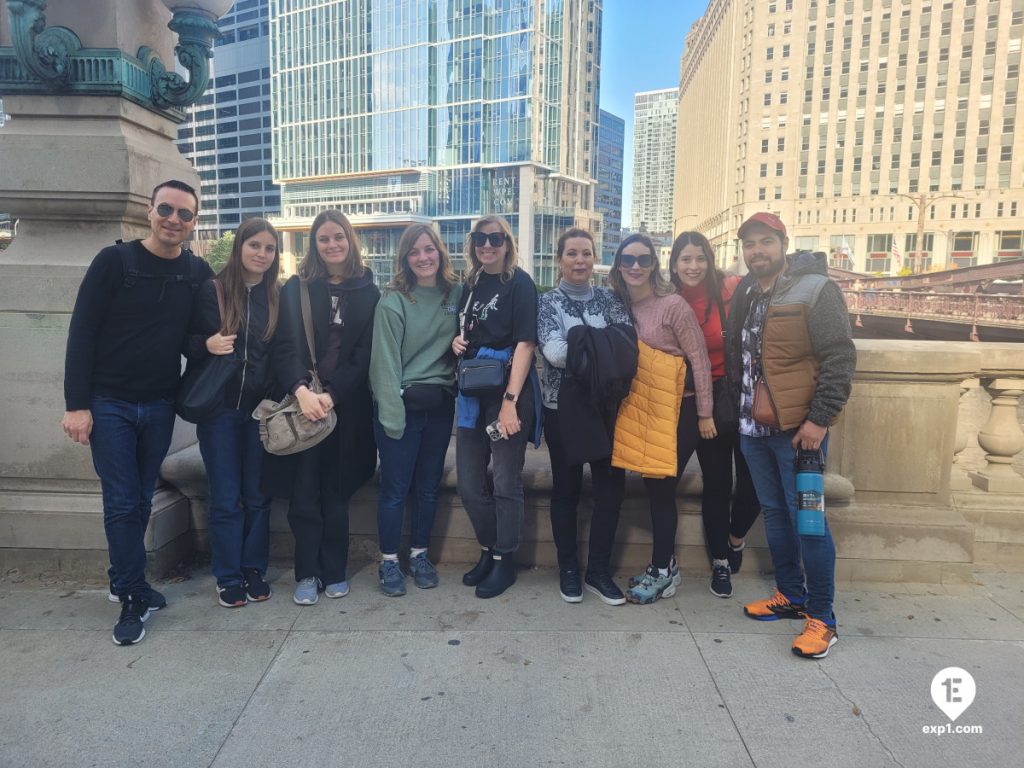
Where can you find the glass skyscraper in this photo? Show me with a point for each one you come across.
(227, 134)
(611, 144)
(402, 111)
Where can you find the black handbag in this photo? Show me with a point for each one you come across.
(480, 376)
(201, 394)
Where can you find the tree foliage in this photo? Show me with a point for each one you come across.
(220, 251)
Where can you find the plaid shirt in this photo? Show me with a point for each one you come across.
(751, 345)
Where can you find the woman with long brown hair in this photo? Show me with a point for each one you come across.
(320, 480)
(726, 518)
(238, 511)
(498, 320)
(412, 375)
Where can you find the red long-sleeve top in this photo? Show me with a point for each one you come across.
(710, 322)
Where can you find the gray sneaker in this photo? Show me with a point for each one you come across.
(392, 580)
(336, 590)
(673, 569)
(307, 591)
(423, 572)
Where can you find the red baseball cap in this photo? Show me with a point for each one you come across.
(769, 220)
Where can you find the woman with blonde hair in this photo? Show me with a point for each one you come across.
(498, 319)
(320, 480)
(412, 376)
(229, 441)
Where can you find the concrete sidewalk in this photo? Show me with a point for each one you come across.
(440, 678)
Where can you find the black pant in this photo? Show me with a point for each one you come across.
(318, 514)
(607, 489)
(716, 457)
(661, 491)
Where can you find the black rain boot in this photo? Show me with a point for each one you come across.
(478, 572)
(501, 577)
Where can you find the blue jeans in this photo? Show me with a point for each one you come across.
(129, 442)
(238, 513)
(794, 557)
(414, 461)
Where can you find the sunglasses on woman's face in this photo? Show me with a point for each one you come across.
(164, 210)
(643, 261)
(480, 239)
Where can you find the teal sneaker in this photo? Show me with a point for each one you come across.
(652, 586)
(392, 580)
(673, 569)
(423, 572)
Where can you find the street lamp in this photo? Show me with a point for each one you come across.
(55, 56)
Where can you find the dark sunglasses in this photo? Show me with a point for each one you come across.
(166, 209)
(480, 239)
(643, 261)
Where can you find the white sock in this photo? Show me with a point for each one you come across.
(723, 563)
(663, 571)
(417, 551)
(393, 557)
(739, 548)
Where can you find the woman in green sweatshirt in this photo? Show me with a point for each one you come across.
(412, 375)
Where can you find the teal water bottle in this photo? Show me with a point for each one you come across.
(810, 493)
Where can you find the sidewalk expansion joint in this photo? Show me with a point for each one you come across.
(860, 714)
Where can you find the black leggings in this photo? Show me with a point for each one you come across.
(716, 457)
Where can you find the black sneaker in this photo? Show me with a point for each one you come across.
(721, 584)
(256, 589)
(602, 585)
(232, 596)
(569, 585)
(735, 557)
(129, 628)
(156, 599)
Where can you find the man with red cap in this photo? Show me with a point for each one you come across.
(789, 342)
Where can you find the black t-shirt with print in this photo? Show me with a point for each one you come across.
(502, 314)
(338, 301)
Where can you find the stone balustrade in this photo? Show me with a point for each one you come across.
(889, 483)
(898, 503)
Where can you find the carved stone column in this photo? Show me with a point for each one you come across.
(1001, 438)
(959, 479)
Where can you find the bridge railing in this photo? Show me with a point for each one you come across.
(961, 306)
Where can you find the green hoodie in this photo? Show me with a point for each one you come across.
(411, 345)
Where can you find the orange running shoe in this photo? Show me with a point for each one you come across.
(816, 639)
(778, 606)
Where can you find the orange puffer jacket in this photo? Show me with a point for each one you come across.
(645, 431)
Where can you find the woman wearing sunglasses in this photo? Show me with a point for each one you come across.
(320, 480)
(239, 512)
(498, 320)
(412, 375)
(665, 322)
(575, 302)
(708, 292)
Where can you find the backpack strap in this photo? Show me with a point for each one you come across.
(128, 262)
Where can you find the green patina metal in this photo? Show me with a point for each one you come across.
(47, 61)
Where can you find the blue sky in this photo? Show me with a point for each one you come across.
(642, 43)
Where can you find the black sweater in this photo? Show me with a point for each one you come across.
(251, 384)
(128, 332)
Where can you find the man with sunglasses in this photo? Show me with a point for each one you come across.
(127, 333)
